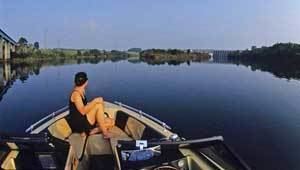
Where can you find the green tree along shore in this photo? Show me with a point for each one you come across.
(49, 54)
(172, 56)
(281, 59)
(31, 52)
(28, 52)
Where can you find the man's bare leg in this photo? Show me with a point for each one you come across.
(96, 115)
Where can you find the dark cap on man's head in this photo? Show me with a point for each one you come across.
(80, 78)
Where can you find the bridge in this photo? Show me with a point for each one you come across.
(7, 45)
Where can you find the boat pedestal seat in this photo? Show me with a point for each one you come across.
(77, 142)
(97, 145)
(86, 147)
(117, 134)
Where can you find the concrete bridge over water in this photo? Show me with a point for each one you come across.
(7, 45)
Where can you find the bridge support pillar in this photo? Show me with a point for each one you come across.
(6, 71)
(1, 49)
(6, 50)
(13, 48)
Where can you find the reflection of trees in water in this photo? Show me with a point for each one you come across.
(281, 59)
(23, 70)
(172, 62)
(279, 67)
(3, 89)
(16, 71)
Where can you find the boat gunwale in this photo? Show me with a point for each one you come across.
(63, 112)
(47, 118)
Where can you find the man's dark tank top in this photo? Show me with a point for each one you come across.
(77, 121)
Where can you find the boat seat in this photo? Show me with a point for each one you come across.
(117, 134)
(60, 129)
(134, 128)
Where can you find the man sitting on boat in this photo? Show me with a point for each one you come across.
(85, 116)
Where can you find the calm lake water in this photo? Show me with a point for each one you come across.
(257, 113)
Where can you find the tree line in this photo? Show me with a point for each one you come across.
(281, 59)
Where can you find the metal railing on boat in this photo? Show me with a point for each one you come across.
(54, 114)
(144, 114)
(50, 116)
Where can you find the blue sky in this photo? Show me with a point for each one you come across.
(121, 24)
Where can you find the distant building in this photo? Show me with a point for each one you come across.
(264, 47)
(253, 48)
(137, 50)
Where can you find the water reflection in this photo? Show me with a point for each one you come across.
(5, 78)
(12, 71)
(283, 67)
(255, 112)
(174, 62)
(280, 67)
